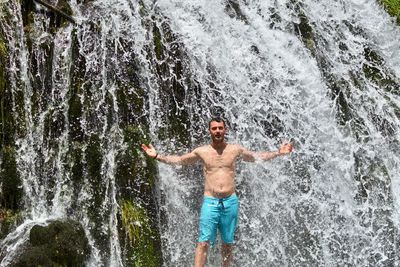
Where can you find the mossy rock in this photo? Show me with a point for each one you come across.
(8, 220)
(3, 52)
(142, 238)
(61, 243)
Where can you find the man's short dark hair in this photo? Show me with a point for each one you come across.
(217, 119)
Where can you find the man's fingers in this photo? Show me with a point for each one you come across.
(144, 147)
(287, 147)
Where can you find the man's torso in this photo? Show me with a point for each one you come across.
(219, 169)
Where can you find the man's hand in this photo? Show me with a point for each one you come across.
(285, 148)
(150, 150)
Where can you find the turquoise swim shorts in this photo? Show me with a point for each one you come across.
(221, 214)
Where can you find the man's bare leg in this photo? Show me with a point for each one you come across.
(227, 255)
(200, 255)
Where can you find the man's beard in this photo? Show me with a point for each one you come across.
(218, 138)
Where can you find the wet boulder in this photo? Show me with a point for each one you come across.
(61, 243)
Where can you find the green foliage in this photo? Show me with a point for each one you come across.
(393, 8)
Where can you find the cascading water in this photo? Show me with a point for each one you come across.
(333, 201)
(321, 74)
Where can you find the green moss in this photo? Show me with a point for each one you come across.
(3, 52)
(374, 70)
(305, 32)
(392, 7)
(142, 9)
(143, 240)
(8, 220)
(134, 222)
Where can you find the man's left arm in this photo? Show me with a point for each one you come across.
(284, 149)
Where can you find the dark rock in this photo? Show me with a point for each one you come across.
(61, 243)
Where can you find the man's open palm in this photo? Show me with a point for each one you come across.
(285, 148)
(150, 150)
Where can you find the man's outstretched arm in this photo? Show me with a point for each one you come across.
(185, 159)
(284, 149)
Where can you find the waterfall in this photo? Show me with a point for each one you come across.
(323, 75)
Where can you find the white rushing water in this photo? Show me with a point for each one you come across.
(333, 202)
(303, 209)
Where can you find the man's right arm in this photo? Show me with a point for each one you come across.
(284, 149)
(185, 159)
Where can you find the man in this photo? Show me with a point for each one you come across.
(220, 203)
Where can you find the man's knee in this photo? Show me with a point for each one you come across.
(203, 245)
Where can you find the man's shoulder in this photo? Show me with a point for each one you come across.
(235, 146)
(201, 148)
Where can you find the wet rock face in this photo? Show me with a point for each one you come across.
(61, 243)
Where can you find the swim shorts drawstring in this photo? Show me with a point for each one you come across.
(221, 202)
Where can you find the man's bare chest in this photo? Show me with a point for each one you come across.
(226, 159)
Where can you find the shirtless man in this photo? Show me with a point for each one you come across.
(220, 203)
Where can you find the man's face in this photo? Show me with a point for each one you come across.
(217, 131)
